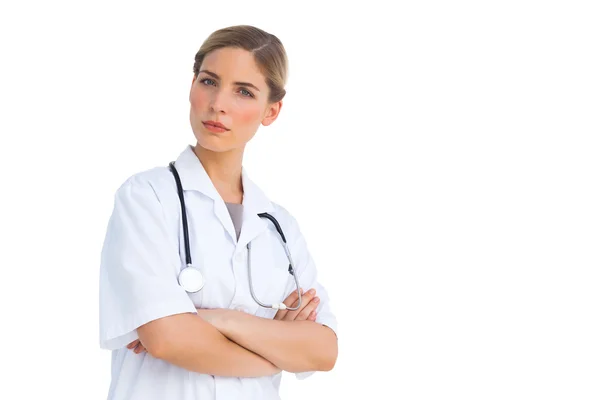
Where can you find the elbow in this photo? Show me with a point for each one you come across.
(158, 349)
(171, 338)
(156, 346)
(329, 365)
(167, 347)
(156, 338)
(332, 354)
(328, 358)
(329, 361)
(323, 362)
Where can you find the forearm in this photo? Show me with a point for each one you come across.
(196, 345)
(293, 346)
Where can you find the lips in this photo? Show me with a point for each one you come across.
(214, 129)
(215, 124)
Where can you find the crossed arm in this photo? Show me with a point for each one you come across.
(231, 343)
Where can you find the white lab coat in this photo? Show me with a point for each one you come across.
(144, 251)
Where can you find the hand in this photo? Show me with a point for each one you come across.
(306, 312)
(137, 346)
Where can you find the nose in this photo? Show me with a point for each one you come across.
(218, 102)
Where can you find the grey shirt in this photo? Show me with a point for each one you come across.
(236, 211)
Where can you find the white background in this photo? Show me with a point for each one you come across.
(442, 159)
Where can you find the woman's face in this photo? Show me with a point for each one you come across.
(230, 90)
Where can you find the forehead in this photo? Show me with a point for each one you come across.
(232, 64)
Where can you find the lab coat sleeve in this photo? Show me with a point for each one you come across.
(138, 267)
(307, 276)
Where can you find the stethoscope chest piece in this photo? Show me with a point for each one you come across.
(191, 279)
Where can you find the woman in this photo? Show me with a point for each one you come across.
(218, 342)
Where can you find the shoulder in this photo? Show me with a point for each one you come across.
(294, 236)
(282, 213)
(150, 185)
(286, 219)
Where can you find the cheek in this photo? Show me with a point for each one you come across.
(250, 114)
(198, 99)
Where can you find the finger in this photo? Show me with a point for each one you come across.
(133, 344)
(309, 308)
(139, 348)
(291, 300)
(306, 298)
(280, 314)
(312, 316)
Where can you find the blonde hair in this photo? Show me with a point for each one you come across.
(269, 54)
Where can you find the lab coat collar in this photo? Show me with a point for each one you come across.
(194, 177)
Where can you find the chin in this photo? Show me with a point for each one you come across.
(214, 144)
(215, 148)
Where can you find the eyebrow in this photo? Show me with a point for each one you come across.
(235, 83)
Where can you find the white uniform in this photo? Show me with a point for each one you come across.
(144, 251)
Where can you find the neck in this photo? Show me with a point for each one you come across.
(225, 172)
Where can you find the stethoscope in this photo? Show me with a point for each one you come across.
(191, 279)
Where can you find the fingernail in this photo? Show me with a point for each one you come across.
(315, 300)
(301, 291)
(311, 291)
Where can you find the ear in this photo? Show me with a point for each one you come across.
(271, 113)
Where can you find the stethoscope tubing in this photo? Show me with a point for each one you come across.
(186, 236)
(188, 256)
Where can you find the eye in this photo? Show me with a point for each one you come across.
(206, 79)
(242, 91)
